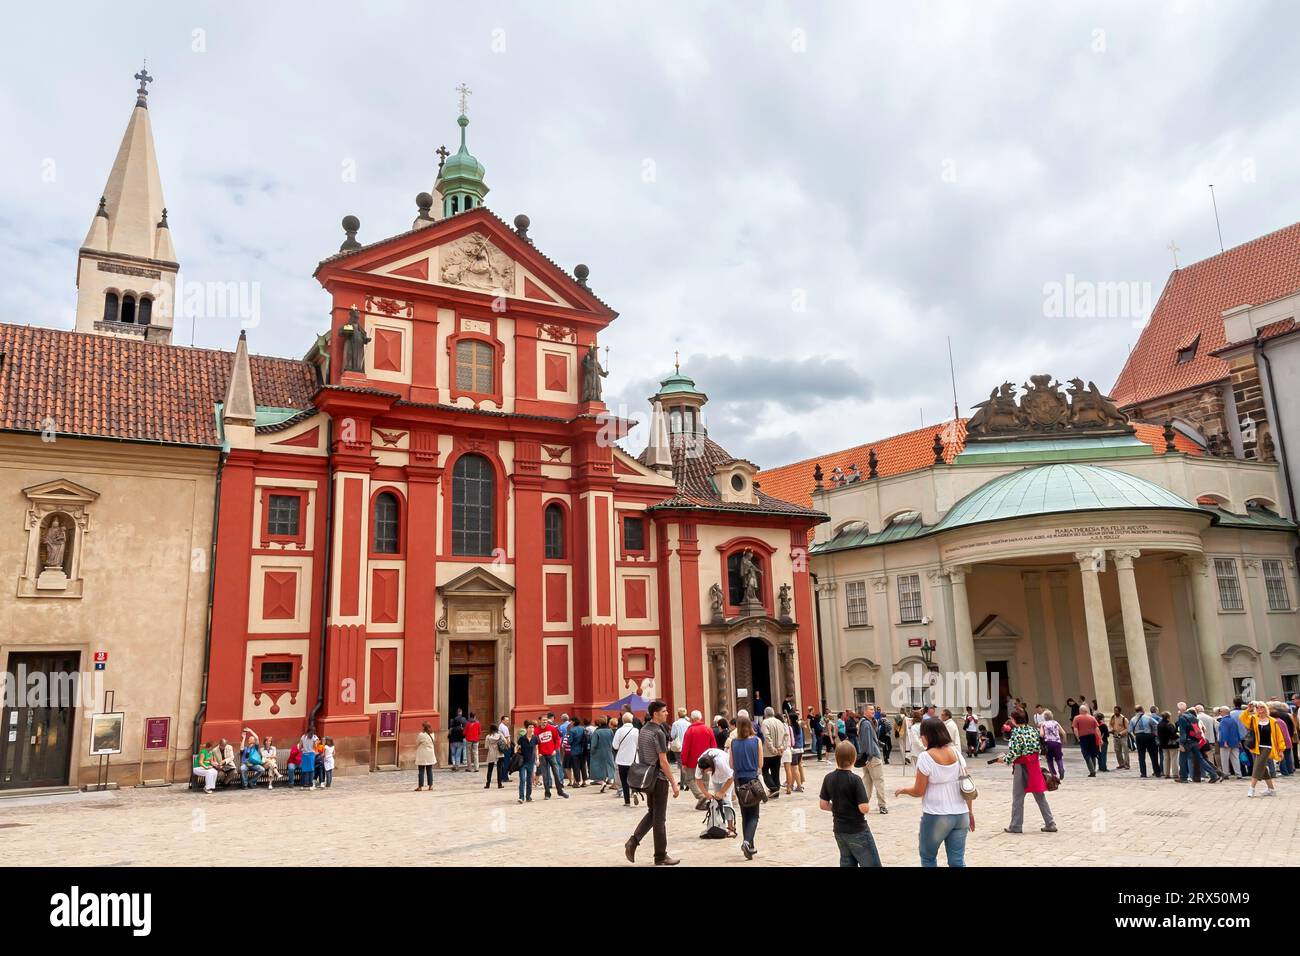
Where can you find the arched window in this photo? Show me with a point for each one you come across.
(475, 366)
(469, 203)
(110, 306)
(675, 421)
(145, 312)
(128, 308)
(473, 503)
(455, 203)
(554, 531)
(387, 511)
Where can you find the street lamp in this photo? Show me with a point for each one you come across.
(927, 655)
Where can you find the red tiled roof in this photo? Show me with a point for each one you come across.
(106, 387)
(1193, 302)
(694, 462)
(912, 451)
(1271, 331)
(895, 455)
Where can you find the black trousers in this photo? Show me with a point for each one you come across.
(772, 772)
(1146, 745)
(622, 778)
(656, 818)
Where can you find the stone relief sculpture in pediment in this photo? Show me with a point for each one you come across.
(473, 261)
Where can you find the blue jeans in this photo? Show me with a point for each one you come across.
(526, 781)
(950, 829)
(425, 770)
(457, 753)
(1187, 759)
(291, 773)
(857, 849)
(551, 765)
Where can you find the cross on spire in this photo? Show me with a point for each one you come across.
(144, 77)
(1174, 249)
(464, 92)
(443, 153)
(677, 360)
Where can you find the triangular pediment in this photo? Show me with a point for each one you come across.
(477, 582)
(993, 627)
(61, 490)
(628, 468)
(475, 252)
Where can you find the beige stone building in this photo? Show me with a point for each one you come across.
(1109, 562)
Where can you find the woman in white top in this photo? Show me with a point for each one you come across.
(625, 740)
(946, 817)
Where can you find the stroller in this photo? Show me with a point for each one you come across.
(719, 821)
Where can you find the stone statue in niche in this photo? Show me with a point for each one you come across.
(715, 602)
(355, 341)
(56, 542)
(592, 373)
(784, 601)
(749, 577)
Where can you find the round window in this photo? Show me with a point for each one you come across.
(738, 482)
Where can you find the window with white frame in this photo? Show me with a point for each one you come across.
(909, 598)
(1225, 570)
(1279, 598)
(855, 594)
(1243, 687)
(861, 697)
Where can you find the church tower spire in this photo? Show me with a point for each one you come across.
(460, 180)
(126, 269)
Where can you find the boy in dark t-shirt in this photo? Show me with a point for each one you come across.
(844, 795)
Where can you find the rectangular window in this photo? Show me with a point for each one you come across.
(277, 672)
(1290, 685)
(1243, 687)
(633, 534)
(1225, 569)
(1279, 599)
(282, 515)
(475, 363)
(909, 598)
(861, 697)
(855, 593)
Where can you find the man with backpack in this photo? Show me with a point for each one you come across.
(1190, 741)
(870, 758)
(713, 774)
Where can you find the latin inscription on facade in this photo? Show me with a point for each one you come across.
(128, 270)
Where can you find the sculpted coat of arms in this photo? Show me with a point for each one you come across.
(1044, 408)
(474, 262)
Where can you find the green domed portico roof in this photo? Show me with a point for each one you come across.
(677, 383)
(1059, 489)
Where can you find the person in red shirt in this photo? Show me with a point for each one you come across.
(473, 731)
(1088, 732)
(697, 739)
(549, 748)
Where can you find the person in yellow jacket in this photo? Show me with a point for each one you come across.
(1265, 742)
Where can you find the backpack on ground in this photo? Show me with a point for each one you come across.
(719, 821)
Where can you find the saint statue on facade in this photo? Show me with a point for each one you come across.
(592, 373)
(715, 601)
(55, 541)
(784, 602)
(355, 341)
(749, 577)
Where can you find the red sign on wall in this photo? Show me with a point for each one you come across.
(157, 732)
(913, 642)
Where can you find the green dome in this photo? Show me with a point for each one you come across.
(462, 163)
(461, 178)
(1058, 489)
(678, 383)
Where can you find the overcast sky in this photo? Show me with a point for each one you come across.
(804, 199)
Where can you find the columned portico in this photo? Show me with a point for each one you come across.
(963, 634)
(1103, 675)
(1135, 642)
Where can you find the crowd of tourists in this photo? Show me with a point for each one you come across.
(309, 764)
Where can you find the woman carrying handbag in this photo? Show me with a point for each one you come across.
(746, 762)
(947, 794)
(1027, 775)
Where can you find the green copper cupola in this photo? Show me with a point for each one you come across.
(461, 179)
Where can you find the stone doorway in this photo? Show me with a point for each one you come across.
(753, 670)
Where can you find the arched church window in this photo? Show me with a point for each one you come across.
(688, 420)
(128, 308)
(475, 366)
(554, 532)
(469, 203)
(110, 307)
(455, 204)
(145, 312)
(387, 513)
(473, 503)
(675, 421)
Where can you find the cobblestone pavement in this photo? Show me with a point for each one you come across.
(1115, 819)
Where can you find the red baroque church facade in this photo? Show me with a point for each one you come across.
(450, 523)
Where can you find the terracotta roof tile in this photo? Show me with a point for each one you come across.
(1264, 333)
(912, 451)
(1193, 302)
(105, 387)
